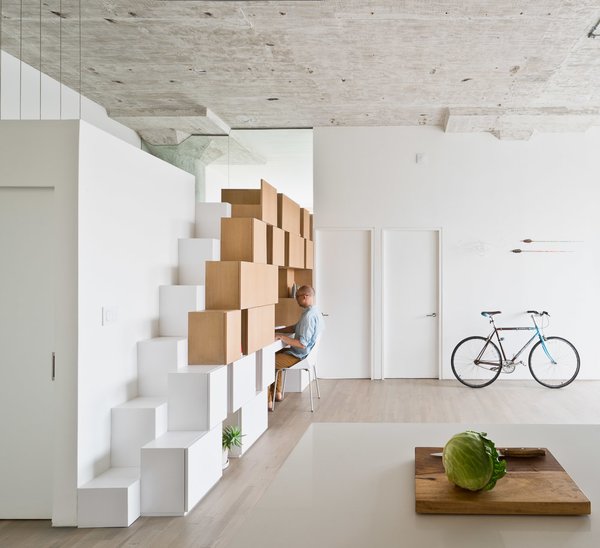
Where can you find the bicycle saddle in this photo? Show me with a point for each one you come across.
(490, 313)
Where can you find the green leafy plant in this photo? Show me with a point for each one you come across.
(232, 437)
(471, 461)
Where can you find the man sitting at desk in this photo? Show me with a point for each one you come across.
(305, 332)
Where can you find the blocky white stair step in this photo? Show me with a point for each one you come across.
(193, 254)
(197, 397)
(252, 420)
(208, 218)
(241, 381)
(265, 366)
(178, 469)
(110, 500)
(156, 359)
(133, 425)
(175, 301)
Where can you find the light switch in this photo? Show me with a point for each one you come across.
(110, 314)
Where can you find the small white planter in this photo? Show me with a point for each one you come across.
(225, 458)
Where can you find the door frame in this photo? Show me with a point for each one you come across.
(439, 232)
(371, 231)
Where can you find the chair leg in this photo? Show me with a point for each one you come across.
(316, 381)
(284, 371)
(312, 408)
(277, 371)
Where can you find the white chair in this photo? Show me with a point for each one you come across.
(308, 364)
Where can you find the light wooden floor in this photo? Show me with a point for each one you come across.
(213, 521)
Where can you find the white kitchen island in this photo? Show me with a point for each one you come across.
(351, 485)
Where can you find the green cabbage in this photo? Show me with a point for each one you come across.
(472, 462)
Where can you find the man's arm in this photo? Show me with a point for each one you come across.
(289, 340)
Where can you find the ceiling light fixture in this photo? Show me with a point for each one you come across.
(595, 32)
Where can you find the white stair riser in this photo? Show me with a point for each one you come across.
(208, 218)
(193, 254)
(175, 301)
(197, 398)
(156, 359)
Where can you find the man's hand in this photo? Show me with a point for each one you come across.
(288, 340)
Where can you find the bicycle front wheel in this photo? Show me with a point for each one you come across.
(467, 359)
(557, 365)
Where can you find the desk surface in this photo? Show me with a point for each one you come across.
(352, 485)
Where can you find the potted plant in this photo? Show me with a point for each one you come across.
(232, 437)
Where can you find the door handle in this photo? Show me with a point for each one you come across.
(434, 315)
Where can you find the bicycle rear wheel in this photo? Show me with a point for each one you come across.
(465, 364)
(554, 375)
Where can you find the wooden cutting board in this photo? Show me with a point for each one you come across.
(532, 486)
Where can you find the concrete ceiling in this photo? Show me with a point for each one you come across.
(181, 67)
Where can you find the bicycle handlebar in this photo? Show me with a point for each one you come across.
(542, 313)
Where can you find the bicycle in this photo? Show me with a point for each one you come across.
(553, 361)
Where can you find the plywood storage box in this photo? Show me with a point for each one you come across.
(288, 214)
(303, 277)
(287, 312)
(243, 239)
(275, 246)
(305, 223)
(239, 285)
(308, 254)
(294, 250)
(311, 231)
(258, 328)
(286, 281)
(247, 202)
(214, 337)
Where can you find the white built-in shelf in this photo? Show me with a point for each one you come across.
(178, 469)
(156, 358)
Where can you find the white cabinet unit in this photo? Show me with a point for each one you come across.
(265, 366)
(178, 469)
(242, 381)
(197, 397)
(252, 420)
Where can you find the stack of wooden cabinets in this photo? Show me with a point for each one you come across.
(266, 248)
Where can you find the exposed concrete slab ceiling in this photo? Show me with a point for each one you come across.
(325, 63)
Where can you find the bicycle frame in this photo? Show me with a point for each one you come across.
(505, 360)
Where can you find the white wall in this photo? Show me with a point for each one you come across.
(132, 209)
(44, 154)
(486, 195)
(27, 94)
(288, 165)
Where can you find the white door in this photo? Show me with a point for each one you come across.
(26, 340)
(410, 303)
(343, 284)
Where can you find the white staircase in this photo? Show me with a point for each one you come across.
(166, 444)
